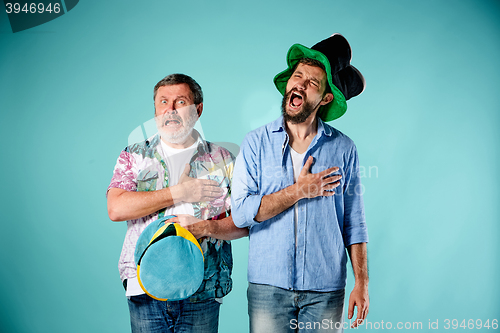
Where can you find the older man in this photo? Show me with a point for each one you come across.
(176, 172)
(296, 185)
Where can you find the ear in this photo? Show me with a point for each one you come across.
(199, 109)
(327, 99)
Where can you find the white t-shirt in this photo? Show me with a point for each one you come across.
(176, 160)
(297, 160)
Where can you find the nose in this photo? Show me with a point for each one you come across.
(302, 84)
(170, 109)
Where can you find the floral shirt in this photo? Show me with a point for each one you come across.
(140, 167)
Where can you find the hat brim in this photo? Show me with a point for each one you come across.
(331, 111)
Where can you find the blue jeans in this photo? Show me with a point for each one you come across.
(276, 310)
(150, 315)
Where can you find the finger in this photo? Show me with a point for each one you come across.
(210, 197)
(185, 174)
(328, 193)
(207, 182)
(364, 314)
(365, 311)
(307, 166)
(217, 191)
(172, 220)
(328, 171)
(212, 190)
(211, 183)
(359, 317)
(356, 323)
(331, 186)
(332, 179)
(186, 170)
(350, 310)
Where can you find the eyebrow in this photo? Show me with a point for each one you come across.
(176, 97)
(312, 79)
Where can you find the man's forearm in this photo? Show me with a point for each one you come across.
(308, 185)
(221, 229)
(359, 296)
(359, 260)
(277, 202)
(126, 205)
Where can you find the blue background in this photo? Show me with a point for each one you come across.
(72, 90)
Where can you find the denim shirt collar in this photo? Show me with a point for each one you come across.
(278, 127)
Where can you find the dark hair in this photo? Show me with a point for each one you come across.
(174, 79)
(315, 63)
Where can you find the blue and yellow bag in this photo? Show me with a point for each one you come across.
(169, 260)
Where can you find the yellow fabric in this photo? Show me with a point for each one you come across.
(181, 232)
(140, 283)
(158, 232)
(189, 236)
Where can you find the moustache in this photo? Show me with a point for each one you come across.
(172, 117)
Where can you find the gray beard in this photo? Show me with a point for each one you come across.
(182, 135)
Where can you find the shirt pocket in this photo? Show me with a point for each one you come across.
(147, 180)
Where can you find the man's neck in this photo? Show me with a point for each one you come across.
(302, 134)
(190, 140)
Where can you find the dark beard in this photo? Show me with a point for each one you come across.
(307, 109)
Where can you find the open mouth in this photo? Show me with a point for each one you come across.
(172, 122)
(296, 100)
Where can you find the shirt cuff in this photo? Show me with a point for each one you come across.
(244, 216)
(356, 235)
(122, 186)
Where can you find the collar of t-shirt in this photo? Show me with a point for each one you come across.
(176, 160)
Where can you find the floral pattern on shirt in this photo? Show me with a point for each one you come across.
(140, 168)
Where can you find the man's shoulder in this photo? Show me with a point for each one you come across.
(218, 151)
(144, 148)
(338, 137)
(274, 126)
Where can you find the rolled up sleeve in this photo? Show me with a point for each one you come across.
(246, 195)
(355, 230)
(125, 173)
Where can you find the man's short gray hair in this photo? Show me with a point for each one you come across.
(174, 79)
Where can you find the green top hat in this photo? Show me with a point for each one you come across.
(345, 80)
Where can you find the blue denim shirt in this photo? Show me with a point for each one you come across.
(314, 259)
